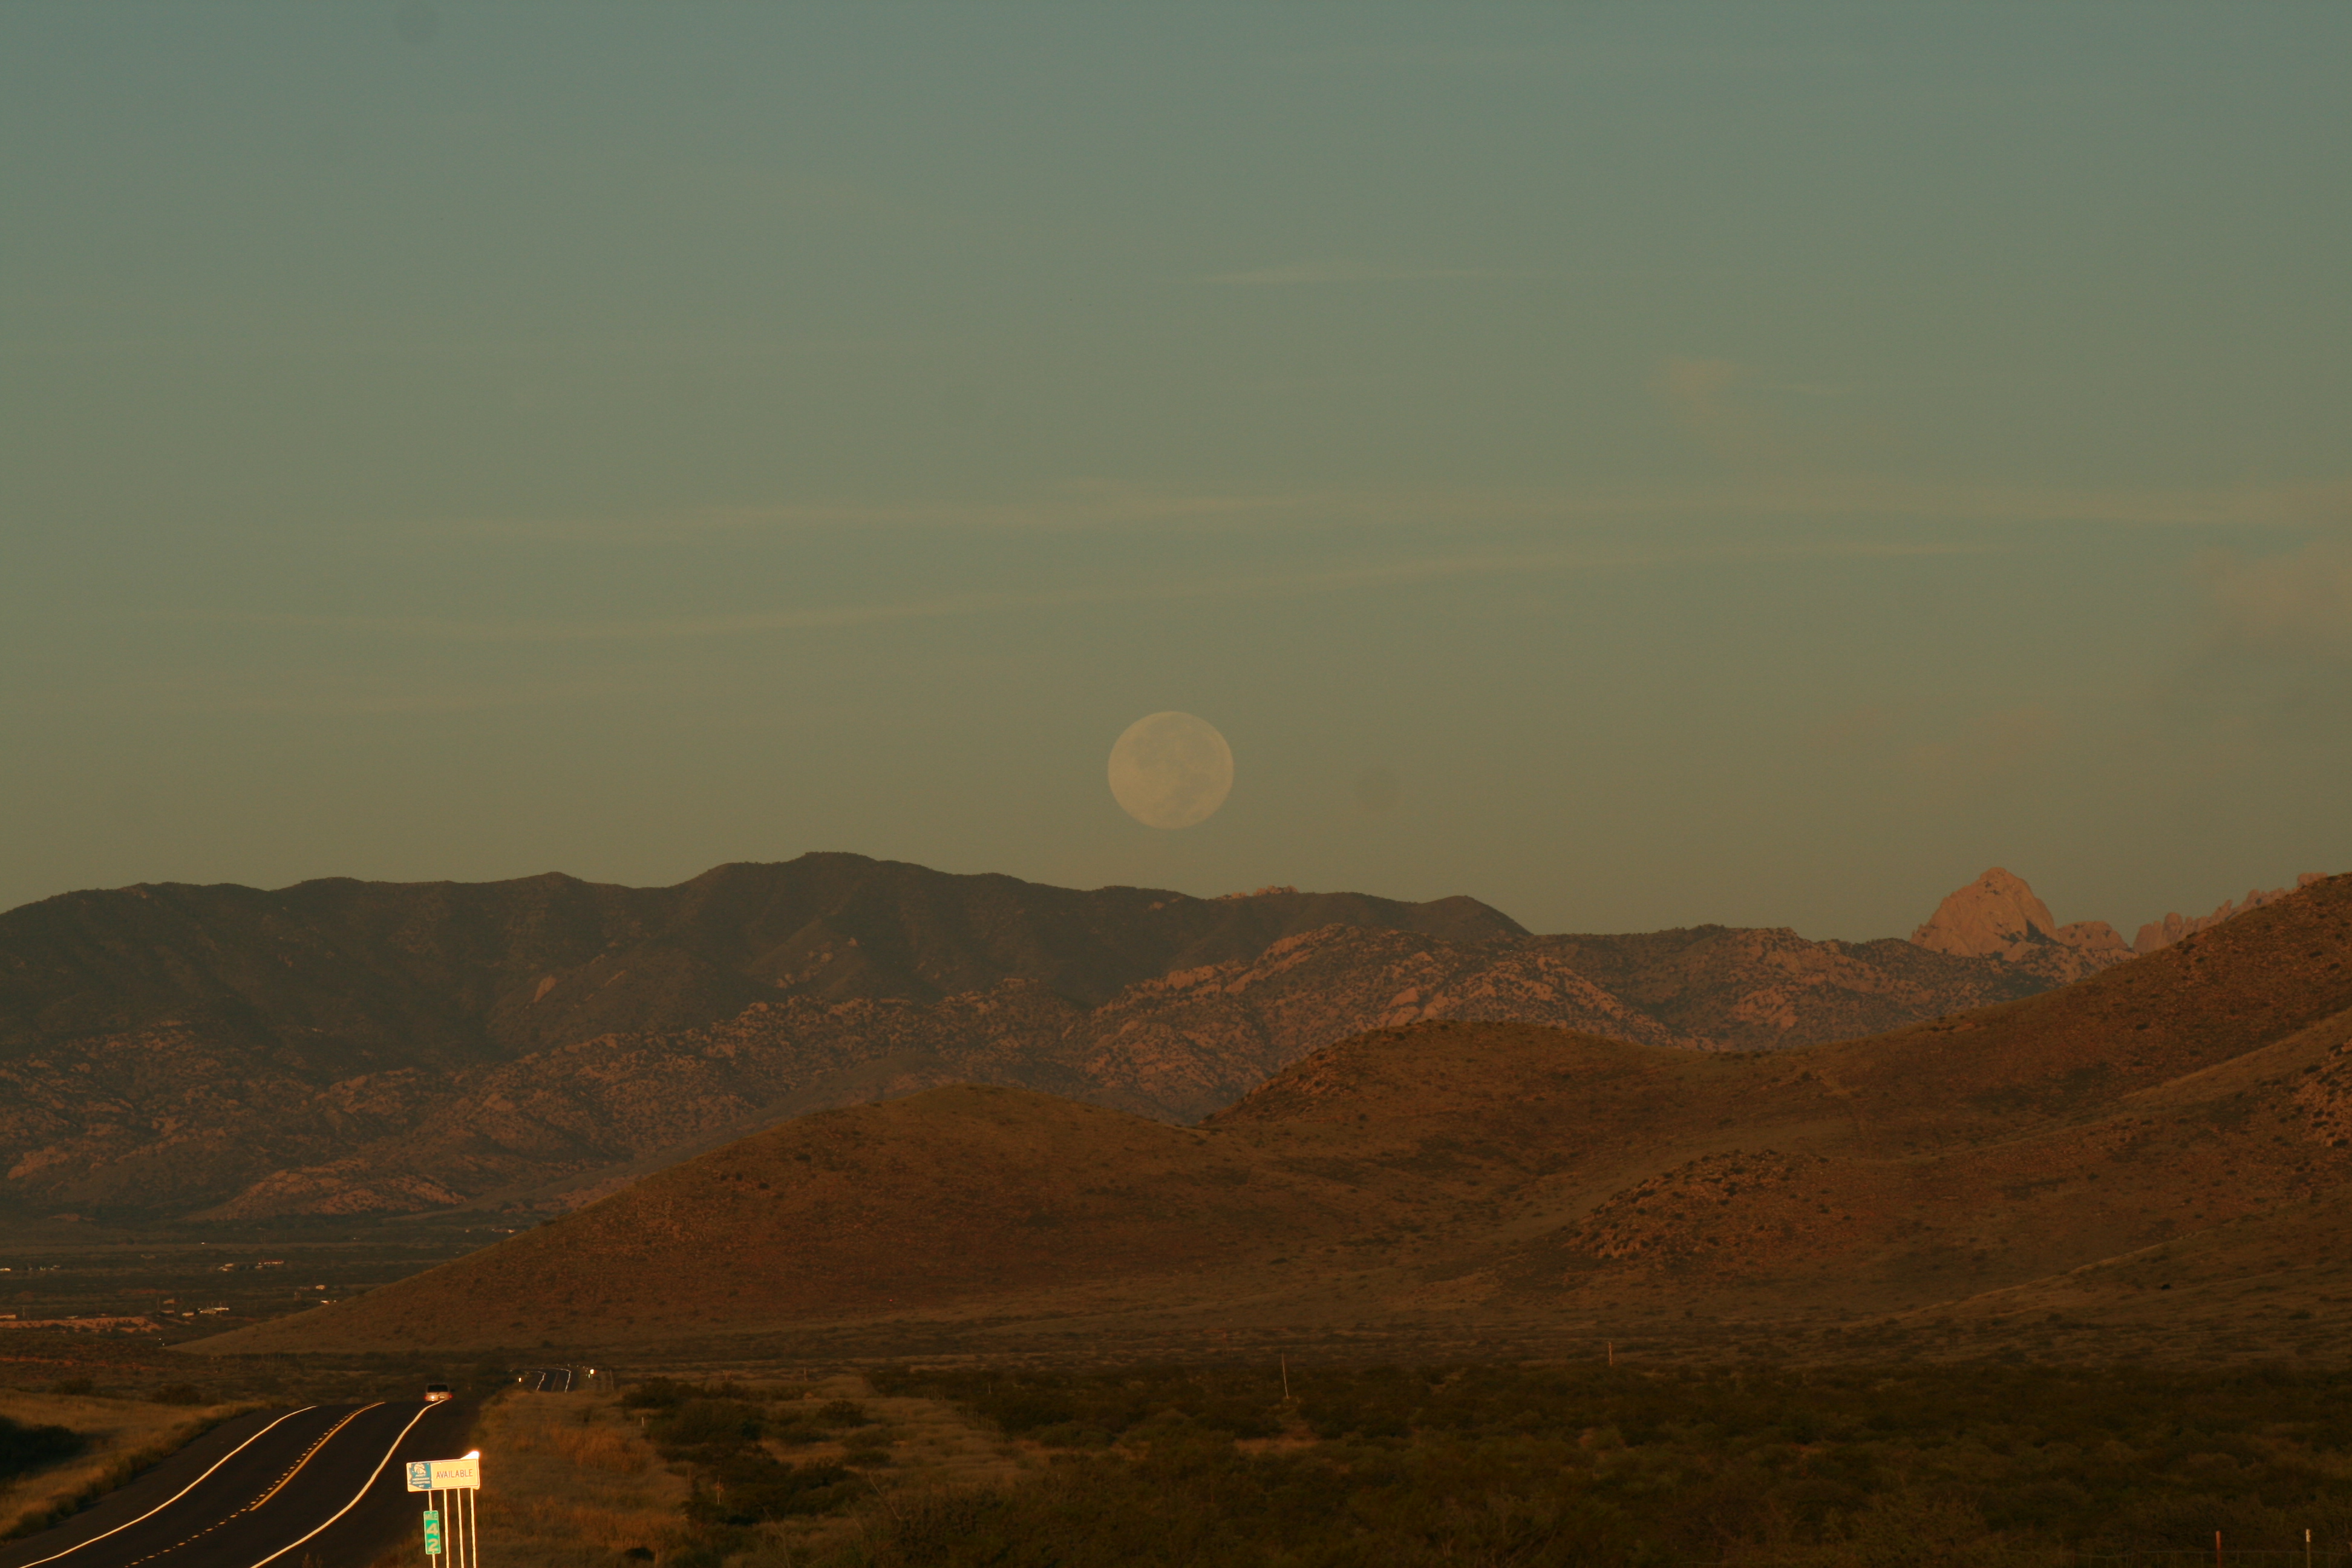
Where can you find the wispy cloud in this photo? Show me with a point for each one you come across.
(1617, 58)
(1994, 748)
(1311, 272)
(322, 693)
(1813, 497)
(1298, 582)
(1704, 395)
(2295, 605)
(1079, 505)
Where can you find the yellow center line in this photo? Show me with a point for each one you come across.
(366, 1487)
(176, 1496)
(307, 1457)
(273, 1491)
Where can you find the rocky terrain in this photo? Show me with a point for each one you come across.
(167, 1048)
(2173, 927)
(557, 1127)
(349, 1049)
(2167, 1137)
(357, 1049)
(1998, 916)
(382, 973)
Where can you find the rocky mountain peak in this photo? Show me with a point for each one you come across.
(2173, 927)
(1999, 916)
(1986, 918)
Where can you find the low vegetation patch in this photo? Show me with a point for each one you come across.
(61, 1448)
(1535, 1466)
(24, 1447)
(573, 1481)
(692, 1474)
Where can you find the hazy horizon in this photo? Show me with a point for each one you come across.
(1637, 468)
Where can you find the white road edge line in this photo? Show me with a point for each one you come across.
(422, 1412)
(176, 1496)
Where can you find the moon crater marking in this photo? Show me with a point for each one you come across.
(1171, 770)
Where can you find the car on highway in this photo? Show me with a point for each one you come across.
(435, 1392)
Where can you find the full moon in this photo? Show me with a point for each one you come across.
(1171, 770)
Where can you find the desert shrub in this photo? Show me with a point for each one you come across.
(1080, 1409)
(706, 1424)
(598, 1448)
(669, 1392)
(658, 1393)
(24, 1448)
(177, 1394)
(1022, 1410)
(1535, 1466)
(936, 1528)
(750, 1486)
(1385, 1402)
(793, 1428)
(1070, 1435)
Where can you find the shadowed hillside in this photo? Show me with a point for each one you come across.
(597, 1114)
(165, 1047)
(453, 971)
(2189, 1110)
(345, 1047)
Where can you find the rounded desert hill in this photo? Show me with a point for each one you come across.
(1500, 1173)
(907, 1206)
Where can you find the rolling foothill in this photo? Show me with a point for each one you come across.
(2125, 1151)
(1278, 1139)
(342, 1050)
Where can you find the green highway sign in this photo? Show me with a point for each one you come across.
(432, 1532)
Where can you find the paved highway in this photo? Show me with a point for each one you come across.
(321, 1487)
(546, 1379)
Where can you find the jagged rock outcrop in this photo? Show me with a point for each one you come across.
(2173, 927)
(348, 1049)
(1998, 916)
(175, 1119)
(2162, 1144)
(1173, 1049)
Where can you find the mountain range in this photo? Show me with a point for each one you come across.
(2161, 1149)
(1999, 916)
(343, 1047)
(2173, 927)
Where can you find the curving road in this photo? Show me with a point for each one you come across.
(299, 1488)
(546, 1379)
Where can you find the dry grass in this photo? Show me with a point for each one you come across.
(934, 1446)
(125, 1437)
(570, 1481)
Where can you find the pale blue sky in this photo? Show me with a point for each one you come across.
(1676, 463)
